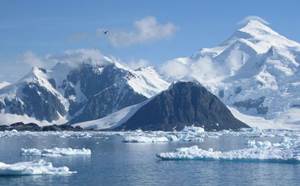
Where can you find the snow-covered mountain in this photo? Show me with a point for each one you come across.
(68, 92)
(33, 96)
(255, 71)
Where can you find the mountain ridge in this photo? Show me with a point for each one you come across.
(67, 89)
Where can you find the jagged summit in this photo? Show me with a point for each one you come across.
(255, 26)
(261, 37)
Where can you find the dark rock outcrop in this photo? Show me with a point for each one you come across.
(183, 104)
(20, 126)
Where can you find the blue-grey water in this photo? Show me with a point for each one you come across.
(114, 162)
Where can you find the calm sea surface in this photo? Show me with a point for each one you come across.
(114, 162)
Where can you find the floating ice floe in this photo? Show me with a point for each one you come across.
(191, 133)
(55, 152)
(260, 144)
(145, 138)
(260, 151)
(32, 168)
(60, 134)
(139, 136)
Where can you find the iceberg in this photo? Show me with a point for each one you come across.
(188, 134)
(140, 136)
(263, 151)
(145, 139)
(197, 130)
(55, 152)
(40, 167)
(191, 134)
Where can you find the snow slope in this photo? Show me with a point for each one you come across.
(147, 82)
(113, 120)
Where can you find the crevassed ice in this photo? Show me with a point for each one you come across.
(55, 152)
(263, 151)
(32, 168)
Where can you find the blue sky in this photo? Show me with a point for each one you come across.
(50, 27)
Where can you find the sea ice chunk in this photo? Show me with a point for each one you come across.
(32, 168)
(193, 129)
(190, 133)
(264, 152)
(144, 138)
(55, 152)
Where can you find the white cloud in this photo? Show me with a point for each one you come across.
(249, 18)
(203, 70)
(32, 59)
(145, 30)
(75, 57)
(72, 57)
(175, 69)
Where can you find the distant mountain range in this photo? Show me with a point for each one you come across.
(256, 73)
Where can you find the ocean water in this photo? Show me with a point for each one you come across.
(113, 162)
